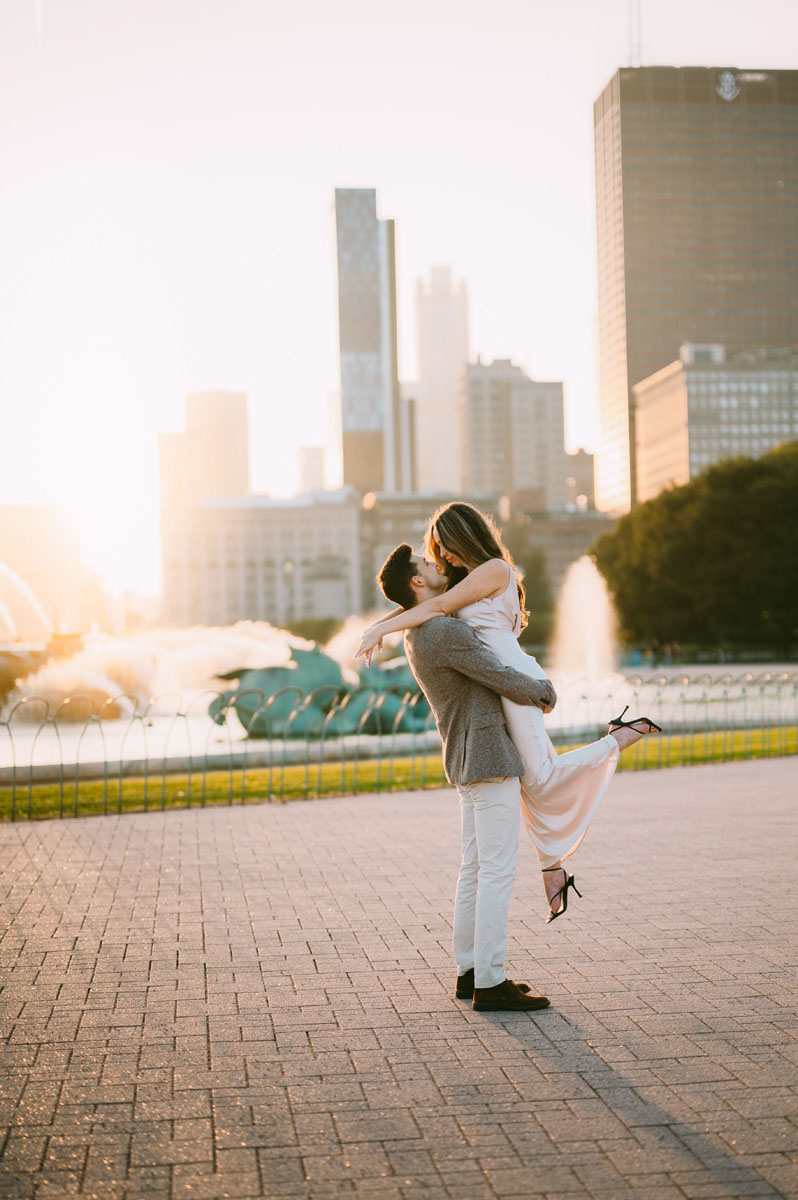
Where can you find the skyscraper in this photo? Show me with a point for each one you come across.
(370, 405)
(442, 354)
(696, 179)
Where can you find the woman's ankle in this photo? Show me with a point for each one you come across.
(626, 737)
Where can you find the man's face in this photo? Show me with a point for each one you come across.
(429, 572)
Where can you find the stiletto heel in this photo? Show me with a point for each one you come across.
(619, 723)
(562, 893)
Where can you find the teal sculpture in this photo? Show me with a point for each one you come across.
(311, 699)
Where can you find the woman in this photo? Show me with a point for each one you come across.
(559, 793)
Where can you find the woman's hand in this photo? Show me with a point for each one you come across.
(371, 640)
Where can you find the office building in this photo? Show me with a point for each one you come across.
(697, 228)
(442, 354)
(512, 434)
(370, 401)
(237, 558)
(704, 407)
(251, 558)
(240, 558)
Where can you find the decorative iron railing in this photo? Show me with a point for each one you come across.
(91, 754)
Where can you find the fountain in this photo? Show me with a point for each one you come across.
(583, 659)
(129, 669)
(25, 629)
(22, 618)
(133, 667)
(139, 665)
(585, 640)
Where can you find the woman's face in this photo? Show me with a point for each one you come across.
(450, 558)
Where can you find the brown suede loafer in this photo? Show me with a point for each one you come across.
(506, 997)
(464, 989)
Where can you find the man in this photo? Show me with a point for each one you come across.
(463, 681)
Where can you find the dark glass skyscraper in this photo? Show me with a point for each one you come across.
(697, 216)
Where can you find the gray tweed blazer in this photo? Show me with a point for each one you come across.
(462, 682)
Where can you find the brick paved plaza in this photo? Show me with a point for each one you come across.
(258, 1002)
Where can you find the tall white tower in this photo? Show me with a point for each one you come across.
(442, 354)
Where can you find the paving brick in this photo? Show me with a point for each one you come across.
(218, 1186)
(257, 1002)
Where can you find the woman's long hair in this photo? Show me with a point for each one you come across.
(473, 538)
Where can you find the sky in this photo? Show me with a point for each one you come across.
(166, 217)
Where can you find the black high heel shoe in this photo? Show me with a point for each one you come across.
(562, 893)
(619, 723)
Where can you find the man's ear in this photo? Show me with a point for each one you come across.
(416, 582)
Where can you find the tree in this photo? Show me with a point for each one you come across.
(539, 600)
(713, 562)
(536, 581)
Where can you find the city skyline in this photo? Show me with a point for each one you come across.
(164, 234)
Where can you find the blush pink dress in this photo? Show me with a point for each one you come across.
(560, 793)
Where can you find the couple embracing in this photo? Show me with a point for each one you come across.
(461, 605)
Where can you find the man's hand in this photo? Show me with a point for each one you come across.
(548, 696)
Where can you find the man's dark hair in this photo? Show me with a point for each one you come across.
(395, 575)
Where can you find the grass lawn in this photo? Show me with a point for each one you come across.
(256, 786)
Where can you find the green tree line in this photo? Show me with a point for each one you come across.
(714, 562)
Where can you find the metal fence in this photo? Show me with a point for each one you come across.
(88, 753)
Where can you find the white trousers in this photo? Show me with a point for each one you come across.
(490, 818)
